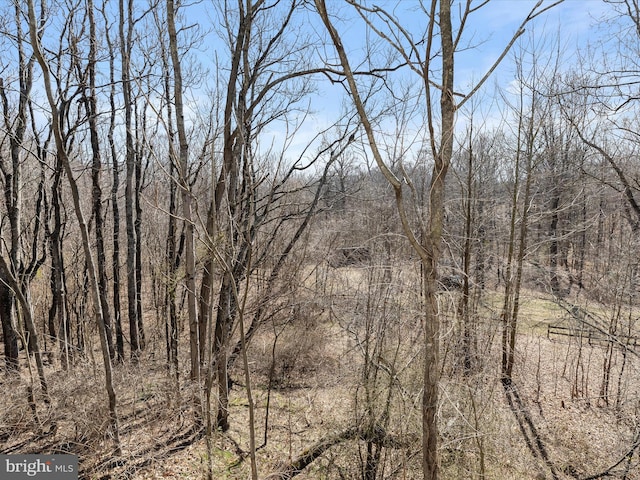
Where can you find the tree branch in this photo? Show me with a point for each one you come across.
(377, 435)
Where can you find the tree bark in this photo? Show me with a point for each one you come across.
(137, 224)
(96, 169)
(9, 333)
(187, 197)
(172, 260)
(12, 176)
(115, 209)
(132, 291)
(227, 307)
(58, 282)
(31, 339)
(62, 155)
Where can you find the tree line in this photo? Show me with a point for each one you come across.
(149, 194)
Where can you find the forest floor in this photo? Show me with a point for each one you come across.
(562, 418)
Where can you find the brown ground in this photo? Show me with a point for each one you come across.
(317, 373)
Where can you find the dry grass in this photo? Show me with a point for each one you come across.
(318, 387)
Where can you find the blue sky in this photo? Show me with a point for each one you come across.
(575, 21)
(574, 24)
(489, 28)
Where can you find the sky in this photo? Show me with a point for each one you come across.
(575, 24)
(489, 29)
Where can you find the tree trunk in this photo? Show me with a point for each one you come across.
(172, 254)
(206, 293)
(12, 177)
(432, 248)
(187, 197)
(33, 344)
(58, 308)
(464, 314)
(132, 291)
(9, 333)
(96, 169)
(115, 255)
(62, 155)
(227, 307)
(137, 224)
(553, 245)
(511, 304)
(429, 250)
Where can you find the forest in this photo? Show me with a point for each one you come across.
(324, 239)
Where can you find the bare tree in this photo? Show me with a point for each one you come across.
(173, 246)
(115, 185)
(427, 244)
(22, 261)
(248, 209)
(525, 146)
(96, 169)
(602, 92)
(126, 30)
(12, 178)
(186, 195)
(61, 150)
(473, 168)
